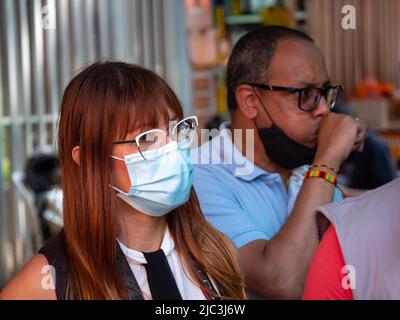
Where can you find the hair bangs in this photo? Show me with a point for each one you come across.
(143, 107)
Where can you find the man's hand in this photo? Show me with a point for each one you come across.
(339, 135)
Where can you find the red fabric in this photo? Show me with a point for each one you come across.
(324, 279)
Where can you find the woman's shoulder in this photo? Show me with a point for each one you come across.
(55, 251)
(34, 282)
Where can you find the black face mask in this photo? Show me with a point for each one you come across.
(282, 150)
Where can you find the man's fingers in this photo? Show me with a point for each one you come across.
(360, 147)
(361, 131)
(360, 137)
(361, 126)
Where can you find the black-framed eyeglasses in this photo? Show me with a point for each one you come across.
(308, 97)
(150, 143)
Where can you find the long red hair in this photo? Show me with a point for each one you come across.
(100, 105)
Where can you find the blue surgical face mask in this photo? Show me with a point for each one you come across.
(158, 186)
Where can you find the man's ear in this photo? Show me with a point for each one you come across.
(76, 155)
(247, 100)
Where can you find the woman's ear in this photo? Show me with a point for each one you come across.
(247, 100)
(76, 155)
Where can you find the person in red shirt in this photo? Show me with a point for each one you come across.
(325, 278)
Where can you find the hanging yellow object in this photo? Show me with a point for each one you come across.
(220, 21)
(277, 15)
(222, 106)
(236, 7)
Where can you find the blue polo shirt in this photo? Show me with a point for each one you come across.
(238, 198)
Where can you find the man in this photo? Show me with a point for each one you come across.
(279, 93)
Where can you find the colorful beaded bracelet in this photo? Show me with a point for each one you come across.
(314, 173)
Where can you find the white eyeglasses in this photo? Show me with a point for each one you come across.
(155, 139)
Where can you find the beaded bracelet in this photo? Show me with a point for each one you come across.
(314, 173)
(324, 166)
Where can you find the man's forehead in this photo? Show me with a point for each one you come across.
(297, 63)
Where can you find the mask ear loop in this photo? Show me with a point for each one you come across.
(117, 158)
(264, 109)
(110, 185)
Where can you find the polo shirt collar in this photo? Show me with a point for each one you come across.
(234, 161)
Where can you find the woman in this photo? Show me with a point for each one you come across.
(133, 228)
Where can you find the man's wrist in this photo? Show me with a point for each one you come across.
(332, 162)
(324, 174)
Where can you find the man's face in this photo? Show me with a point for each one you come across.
(297, 64)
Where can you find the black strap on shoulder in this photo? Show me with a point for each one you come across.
(129, 278)
(54, 251)
(56, 254)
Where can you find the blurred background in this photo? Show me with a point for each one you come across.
(43, 43)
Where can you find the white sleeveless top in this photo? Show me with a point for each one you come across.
(188, 289)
